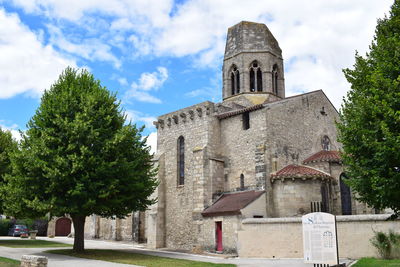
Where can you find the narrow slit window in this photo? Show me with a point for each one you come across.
(181, 160)
(252, 85)
(255, 77)
(242, 182)
(275, 79)
(232, 83)
(246, 120)
(235, 80)
(259, 80)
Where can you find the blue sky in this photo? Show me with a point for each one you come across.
(163, 55)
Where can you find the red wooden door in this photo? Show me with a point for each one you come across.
(218, 236)
(63, 227)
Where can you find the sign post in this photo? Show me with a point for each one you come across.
(320, 238)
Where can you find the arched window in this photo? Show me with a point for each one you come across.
(255, 77)
(235, 80)
(345, 195)
(181, 160)
(242, 182)
(275, 79)
(326, 143)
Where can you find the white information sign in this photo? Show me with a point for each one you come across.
(319, 238)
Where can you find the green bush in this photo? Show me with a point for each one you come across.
(5, 225)
(388, 245)
(395, 240)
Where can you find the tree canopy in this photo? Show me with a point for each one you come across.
(370, 118)
(7, 145)
(78, 157)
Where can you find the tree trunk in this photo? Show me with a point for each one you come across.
(79, 227)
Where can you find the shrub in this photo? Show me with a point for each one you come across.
(395, 241)
(388, 245)
(5, 225)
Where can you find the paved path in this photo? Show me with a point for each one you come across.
(66, 261)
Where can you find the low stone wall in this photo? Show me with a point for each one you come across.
(283, 237)
(33, 261)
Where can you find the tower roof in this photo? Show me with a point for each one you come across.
(250, 37)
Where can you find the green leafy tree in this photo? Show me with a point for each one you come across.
(78, 157)
(370, 118)
(7, 145)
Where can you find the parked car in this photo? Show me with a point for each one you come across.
(18, 230)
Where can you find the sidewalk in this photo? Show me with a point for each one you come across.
(64, 261)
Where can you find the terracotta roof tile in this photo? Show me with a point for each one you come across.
(231, 203)
(328, 156)
(298, 171)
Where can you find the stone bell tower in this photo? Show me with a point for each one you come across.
(253, 64)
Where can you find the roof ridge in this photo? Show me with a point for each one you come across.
(324, 156)
(295, 171)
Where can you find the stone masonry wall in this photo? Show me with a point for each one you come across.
(243, 62)
(282, 237)
(184, 203)
(107, 228)
(246, 42)
(293, 197)
(295, 127)
(244, 150)
(155, 215)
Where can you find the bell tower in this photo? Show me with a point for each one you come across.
(253, 63)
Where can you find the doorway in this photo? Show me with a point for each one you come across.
(218, 236)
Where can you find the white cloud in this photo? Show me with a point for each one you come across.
(151, 80)
(152, 142)
(148, 81)
(90, 48)
(76, 10)
(12, 128)
(141, 96)
(318, 38)
(122, 81)
(26, 65)
(137, 116)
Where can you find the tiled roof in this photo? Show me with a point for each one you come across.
(298, 171)
(240, 111)
(328, 156)
(231, 203)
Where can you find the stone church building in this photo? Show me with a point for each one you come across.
(257, 154)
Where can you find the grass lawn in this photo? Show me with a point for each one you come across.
(136, 259)
(372, 262)
(29, 243)
(6, 262)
